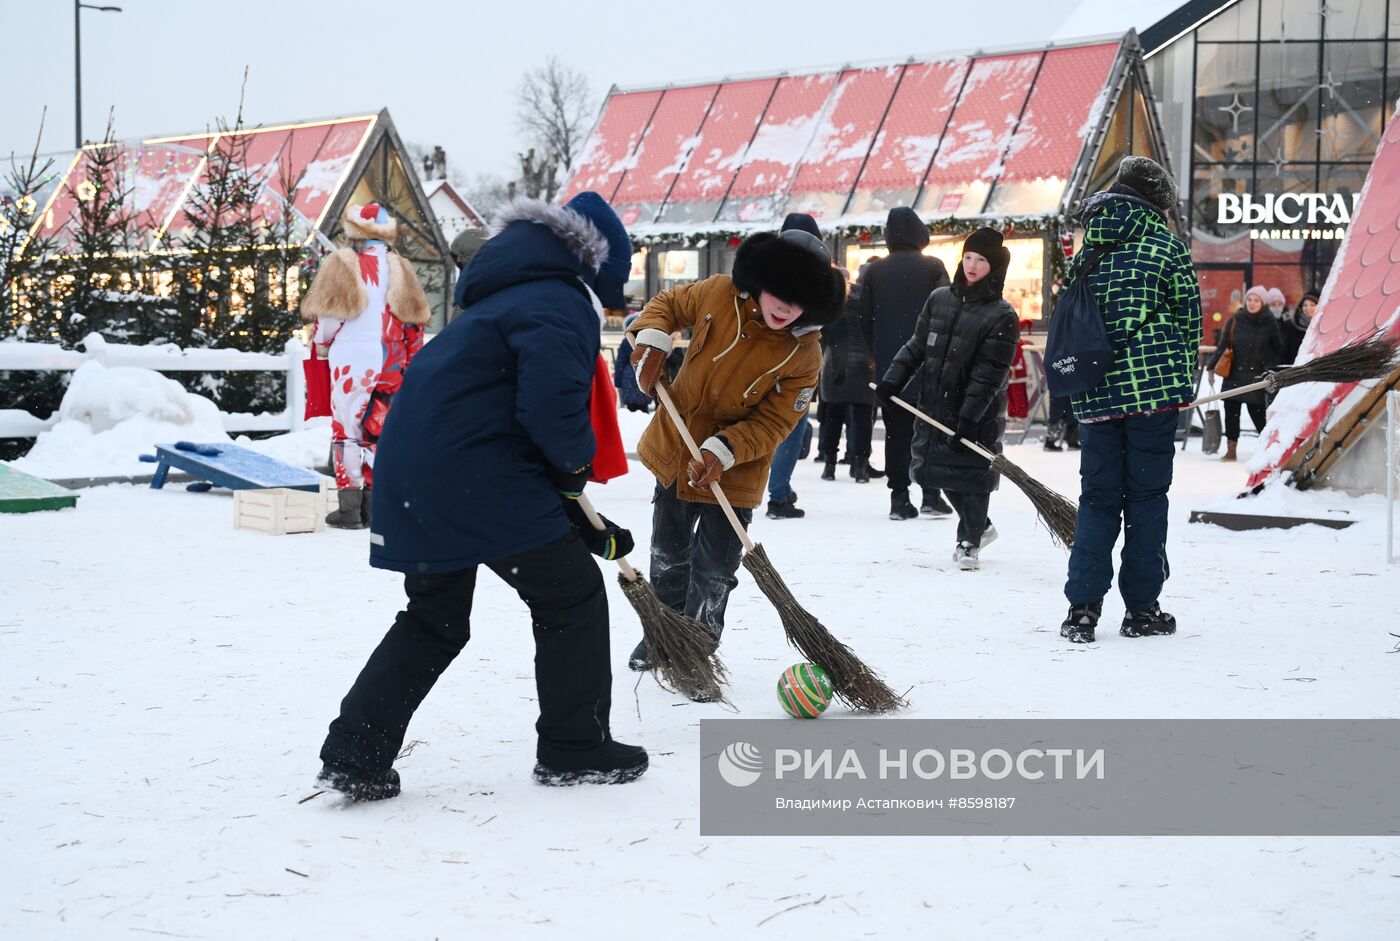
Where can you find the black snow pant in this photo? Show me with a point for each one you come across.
(859, 421)
(564, 590)
(695, 554)
(1258, 413)
(972, 514)
(899, 445)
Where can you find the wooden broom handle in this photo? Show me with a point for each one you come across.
(587, 506)
(1238, 390)
(974, 446)
(664, 398)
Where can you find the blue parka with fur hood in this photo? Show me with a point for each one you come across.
(494, 401)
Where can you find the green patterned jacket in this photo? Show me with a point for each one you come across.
(1151, 303)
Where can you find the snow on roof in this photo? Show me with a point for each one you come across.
(309, 159)
(939, 133)
(437, 191)
(1362, 294)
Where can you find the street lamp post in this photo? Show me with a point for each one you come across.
(78, 8)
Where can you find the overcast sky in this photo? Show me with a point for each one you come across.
(446, 71)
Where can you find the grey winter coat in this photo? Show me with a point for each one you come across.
(962, 349)
(847, 366)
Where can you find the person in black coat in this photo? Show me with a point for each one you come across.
(848, 368)
(961, 349)
(1257, 344)
(481, 463)
(893, 290)
(1294, 326)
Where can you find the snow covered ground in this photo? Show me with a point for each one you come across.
(167, 682)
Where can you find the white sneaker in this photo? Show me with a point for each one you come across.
(989, 536)
(966, 556)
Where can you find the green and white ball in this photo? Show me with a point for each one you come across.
(804, 689)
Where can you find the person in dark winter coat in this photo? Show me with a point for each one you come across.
(848, 368)
(962, 348)
(1145, 286)
(782, 499)
(1294, 326)
(1257, 344)
(892, 293)
(481, 463)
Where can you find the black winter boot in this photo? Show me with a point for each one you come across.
(359, 785)
(1079, 624)
(1150, 623)
(609, 763)
(860, 470)
(1072, 435)
(638, 662)
(787, 510)
(349, 516)
(934, 506)
(900, 507)
(829, 471)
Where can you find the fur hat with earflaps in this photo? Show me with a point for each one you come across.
(794, 267)
(370, 221)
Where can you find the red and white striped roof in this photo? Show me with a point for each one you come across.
(969, 136)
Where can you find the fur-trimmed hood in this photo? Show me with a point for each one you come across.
(363, 222)
(579, 234)
(336, 291)
(793, 274)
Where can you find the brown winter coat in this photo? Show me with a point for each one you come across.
(336, 292)
(740, 380)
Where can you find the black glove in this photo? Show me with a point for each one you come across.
(967, 429)
(611, 542)
(570, 483)
(886, 391)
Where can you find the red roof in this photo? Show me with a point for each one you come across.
(967, 135)
(161, 173)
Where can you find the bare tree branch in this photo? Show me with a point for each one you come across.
(554, 108)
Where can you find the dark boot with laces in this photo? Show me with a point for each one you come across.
(1078, 626)
(1151, 622)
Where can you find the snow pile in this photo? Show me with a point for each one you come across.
(308, 448)
(112, 415)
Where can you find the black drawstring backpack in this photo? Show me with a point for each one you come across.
(1078, 353)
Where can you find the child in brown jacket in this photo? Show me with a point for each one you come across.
(748, 376)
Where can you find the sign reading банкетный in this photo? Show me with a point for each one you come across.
(1316, 777)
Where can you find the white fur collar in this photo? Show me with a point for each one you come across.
(577, 232)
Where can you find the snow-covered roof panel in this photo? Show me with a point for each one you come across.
(1065, 105)
(715, 159)
(609, 148)
(843, 140)
(987, 114)
(782, 141)
(666, 149)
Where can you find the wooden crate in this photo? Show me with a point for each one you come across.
(279, 511)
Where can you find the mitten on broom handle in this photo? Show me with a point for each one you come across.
(1238, 390)
(972, 445)
(587, 506)
(665, 398)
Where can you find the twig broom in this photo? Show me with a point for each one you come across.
(680, 650)
(854, 682)
(1370, 357)
(1059, 515)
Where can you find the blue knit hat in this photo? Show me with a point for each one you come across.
(613, 273)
